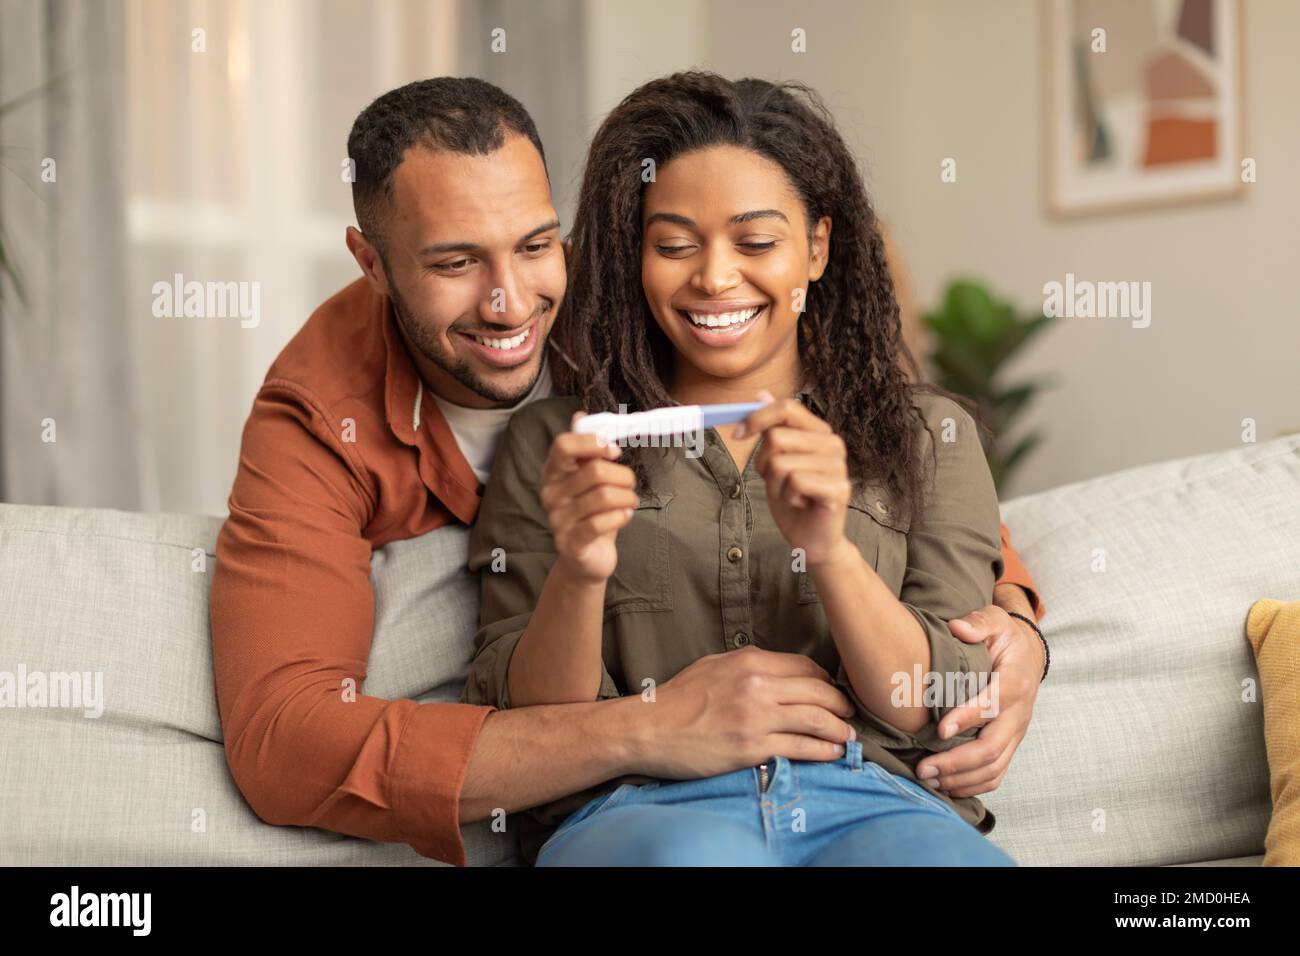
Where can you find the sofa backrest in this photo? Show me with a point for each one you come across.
(125, 596)
(1146, 746)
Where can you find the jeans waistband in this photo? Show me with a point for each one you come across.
(852, 757)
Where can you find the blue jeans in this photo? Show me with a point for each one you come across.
(846, 812)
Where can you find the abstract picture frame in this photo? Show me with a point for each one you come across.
(1142, 104)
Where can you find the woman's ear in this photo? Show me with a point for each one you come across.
(819, 248)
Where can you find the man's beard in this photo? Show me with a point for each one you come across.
(431, 348)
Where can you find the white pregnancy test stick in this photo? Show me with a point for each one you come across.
(611, 427)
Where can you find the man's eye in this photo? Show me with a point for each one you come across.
(452, 266)
(536, 247)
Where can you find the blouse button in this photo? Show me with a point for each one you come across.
(735, 490)
(882, 507)
(734, 554)
(741, 638)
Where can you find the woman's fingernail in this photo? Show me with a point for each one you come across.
(853, 734)
(928, 772)
(630, 511)
(738, 431)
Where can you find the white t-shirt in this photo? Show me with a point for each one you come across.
(478, 430)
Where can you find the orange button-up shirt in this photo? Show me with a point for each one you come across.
(332, 466)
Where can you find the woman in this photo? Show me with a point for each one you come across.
(724, 249)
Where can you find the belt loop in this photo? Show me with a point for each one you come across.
(853, 754)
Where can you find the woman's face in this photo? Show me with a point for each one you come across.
(726, 261)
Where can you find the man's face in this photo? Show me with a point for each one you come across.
(475, 269)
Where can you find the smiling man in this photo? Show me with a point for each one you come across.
(377, 423)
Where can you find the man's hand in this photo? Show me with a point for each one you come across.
(979, 765)
(738, 709)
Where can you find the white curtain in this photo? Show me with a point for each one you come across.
(205, 138)
(69, 432)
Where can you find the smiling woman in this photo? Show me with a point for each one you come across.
(802, 529)
(756, 203)
(727, 257)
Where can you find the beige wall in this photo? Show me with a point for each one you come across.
(912, 83)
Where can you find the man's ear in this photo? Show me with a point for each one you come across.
(819, 249)
(367, 256)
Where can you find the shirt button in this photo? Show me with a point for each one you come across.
(741, 638)
(882, 507)
(734, 554)
(735, 490)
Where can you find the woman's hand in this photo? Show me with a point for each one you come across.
(587, 497)
(805, 468)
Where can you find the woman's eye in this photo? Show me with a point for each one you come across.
(673, 250)
(758, 246)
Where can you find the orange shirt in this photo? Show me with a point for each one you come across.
(331, 467)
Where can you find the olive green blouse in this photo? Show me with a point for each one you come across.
(703, 568)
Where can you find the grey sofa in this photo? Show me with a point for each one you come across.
(1143, 749)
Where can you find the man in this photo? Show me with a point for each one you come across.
(377, 423)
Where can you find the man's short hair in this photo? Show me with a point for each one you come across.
(457, 114)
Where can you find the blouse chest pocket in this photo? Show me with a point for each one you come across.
(641, 581)
(876, 525)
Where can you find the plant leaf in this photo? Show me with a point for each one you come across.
(1022, 448)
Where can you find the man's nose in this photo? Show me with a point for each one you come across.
(508, 301)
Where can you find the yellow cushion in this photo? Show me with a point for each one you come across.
(1273, 628)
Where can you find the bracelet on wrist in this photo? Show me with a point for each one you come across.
(1047, 652)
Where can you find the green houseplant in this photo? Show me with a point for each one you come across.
(973, 335)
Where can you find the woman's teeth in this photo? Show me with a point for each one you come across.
(725, 319)
(499, 343)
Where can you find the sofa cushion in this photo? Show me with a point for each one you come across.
(1273, 629)
(1145, 748)
(1142, 749)
(124, 596)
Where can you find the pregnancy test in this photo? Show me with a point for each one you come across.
(663, 422)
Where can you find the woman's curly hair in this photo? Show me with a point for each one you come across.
(850, 335)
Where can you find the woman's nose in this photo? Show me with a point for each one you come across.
(717, 273)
